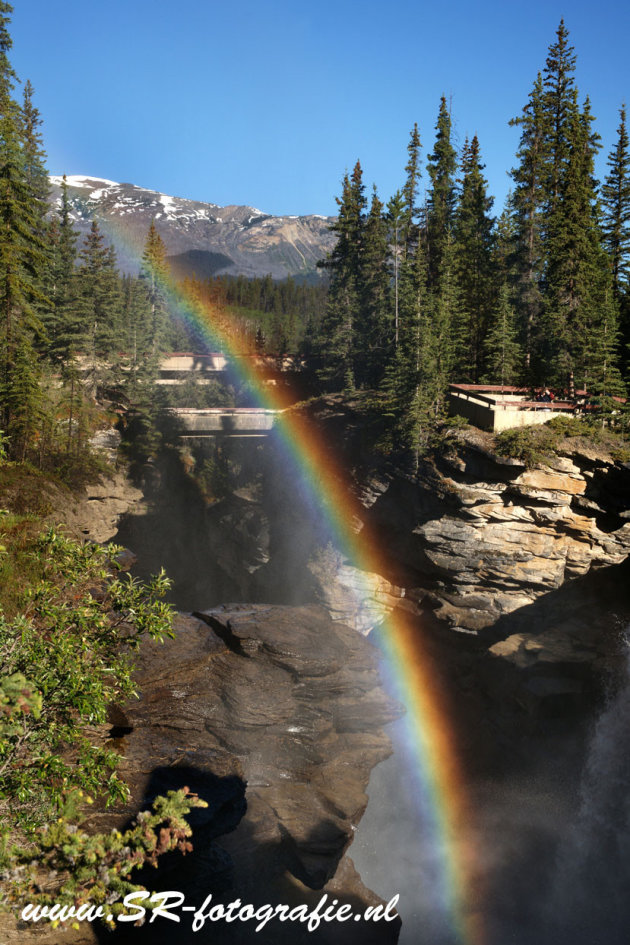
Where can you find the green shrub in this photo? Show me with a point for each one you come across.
(65, 657)
(72, 641)
(570, 426)
(531, 445)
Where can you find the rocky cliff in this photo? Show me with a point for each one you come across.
(485, 536)
(274, 716)
(521, 573)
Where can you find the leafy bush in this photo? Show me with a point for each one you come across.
(531, 445)
(70, 867)
(569, 426)
(535, 444)
(66, 656)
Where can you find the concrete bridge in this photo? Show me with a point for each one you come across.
(178, 367)
(224, 421)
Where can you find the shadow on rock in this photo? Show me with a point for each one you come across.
(234, 893)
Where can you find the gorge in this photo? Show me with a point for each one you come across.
(516, 580)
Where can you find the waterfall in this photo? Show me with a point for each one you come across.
(590, 900)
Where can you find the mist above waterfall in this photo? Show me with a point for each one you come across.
(592, 873)
(550, 836)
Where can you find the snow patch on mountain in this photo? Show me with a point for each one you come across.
(168, 203)
(77, 180)
(204, 238)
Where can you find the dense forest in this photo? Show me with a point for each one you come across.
(262, 315)
(417, 292)
(423, 293)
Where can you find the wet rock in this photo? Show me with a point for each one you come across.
(356, 598)
(274, 716)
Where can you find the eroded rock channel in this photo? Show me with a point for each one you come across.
(515, 578)
(274, 716)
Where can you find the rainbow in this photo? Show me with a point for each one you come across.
(446, 815)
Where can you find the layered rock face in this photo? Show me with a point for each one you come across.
(529, 565)
(508, 535)
(274, 716)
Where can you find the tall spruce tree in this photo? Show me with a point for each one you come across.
(408, 270)
(473, 265)
(397, 217)
(338, 330)
(558, 102)
(154, 273)
(410, 193)
(441, 167)
(442, 298)
(98, 299)
(577, 278)
(35, 171)
(374, 338)
(529, 201)
(64, 321)
(22, 256)
(616, 206)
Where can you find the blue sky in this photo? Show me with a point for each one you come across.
(267, 103)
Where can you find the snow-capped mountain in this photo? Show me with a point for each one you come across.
(201, 238)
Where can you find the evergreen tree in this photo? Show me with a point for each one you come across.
(23, 401)
(529, 201)
(558, 103)
(154, 273)
(397, 217)
(601, 357)
(22, 258)
(98, 301)
(63, 321)
(410, 193)
(577, 278)
(422, 384)
(616, 205)
(374, 343)
(441, 166)
(473, 254)
(409, 290)
(337, 344)
(503, 355)
(505, 249)
(36, 174)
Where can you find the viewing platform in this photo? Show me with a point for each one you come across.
(494, 407)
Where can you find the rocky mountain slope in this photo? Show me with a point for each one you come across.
(201, 238)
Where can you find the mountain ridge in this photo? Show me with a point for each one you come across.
(201, 238)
